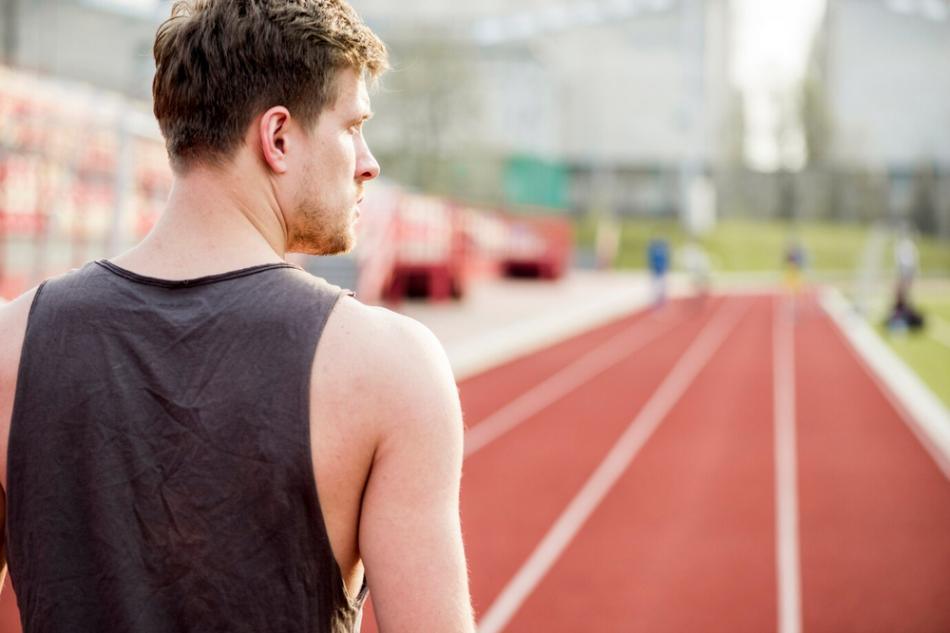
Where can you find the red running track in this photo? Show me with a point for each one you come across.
(684, 537)
(875, 507)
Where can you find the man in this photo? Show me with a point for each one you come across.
(182, 454)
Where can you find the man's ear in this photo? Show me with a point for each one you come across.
(275, 140)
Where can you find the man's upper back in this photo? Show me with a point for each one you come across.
(159, 466)
(386, 452)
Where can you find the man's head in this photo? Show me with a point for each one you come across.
(284, 81)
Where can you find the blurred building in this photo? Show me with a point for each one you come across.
(564, 104)
(106, 43)
(886, 80)
(607, 99)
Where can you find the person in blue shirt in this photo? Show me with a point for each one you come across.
(658, 257)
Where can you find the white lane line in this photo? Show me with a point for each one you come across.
(939, 330)
(786, 472)
(552, 389)
(609, 471)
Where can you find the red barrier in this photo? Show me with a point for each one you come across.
(538, 246)
(375, 251)
(423, 246)
(428, 261)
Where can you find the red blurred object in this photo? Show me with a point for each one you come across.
(429, 250)
(538, 246)
(413, 245)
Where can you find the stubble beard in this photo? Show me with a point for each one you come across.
(320, 232)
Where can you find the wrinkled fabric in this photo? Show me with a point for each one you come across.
(159, 477)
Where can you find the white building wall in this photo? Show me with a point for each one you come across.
(622, 90)
(106, 49)
(520, 110)
(615, 92)
(889, 85)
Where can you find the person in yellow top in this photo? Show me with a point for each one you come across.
(794, 266)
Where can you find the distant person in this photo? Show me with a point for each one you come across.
(206, 437)
(904, 315)
(795, 261)
(658, 259)
(906, 260)
(696, 264)
(607, 243)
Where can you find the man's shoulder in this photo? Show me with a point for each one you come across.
(373, 321)
(391, 340)
(385, 359)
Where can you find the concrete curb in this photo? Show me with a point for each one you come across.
(560, 320)
(924, 413)
(501, 345)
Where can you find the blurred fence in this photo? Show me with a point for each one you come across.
(919, 196)
(82, 173)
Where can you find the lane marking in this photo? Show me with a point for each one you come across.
(567, 525)
(919, 407)
(616, 349)
(788, 568)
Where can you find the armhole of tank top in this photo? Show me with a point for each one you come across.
(17, 395)
(352, 603)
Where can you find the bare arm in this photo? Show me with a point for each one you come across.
(13, 318)
(410, 535)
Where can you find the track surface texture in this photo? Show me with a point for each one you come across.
(721, 465)
(777, 488)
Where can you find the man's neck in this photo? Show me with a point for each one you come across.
(213, 222)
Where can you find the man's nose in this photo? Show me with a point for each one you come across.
(366, 167)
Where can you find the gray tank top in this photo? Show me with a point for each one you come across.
(159, 475)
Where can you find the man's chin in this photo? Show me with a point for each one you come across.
(344, 249)
(337, 247)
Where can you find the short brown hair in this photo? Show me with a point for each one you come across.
(219, 63)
